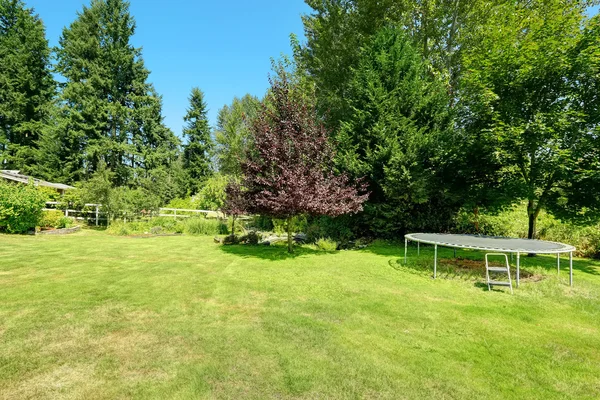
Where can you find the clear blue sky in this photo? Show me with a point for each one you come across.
(223, 47)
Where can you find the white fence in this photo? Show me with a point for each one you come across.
(94, 213)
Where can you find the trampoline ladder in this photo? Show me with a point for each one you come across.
(505, 270)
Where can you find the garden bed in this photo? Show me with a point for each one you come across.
(63, 231)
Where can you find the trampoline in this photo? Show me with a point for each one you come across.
(491, 243)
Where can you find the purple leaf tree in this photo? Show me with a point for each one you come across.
(289, 169)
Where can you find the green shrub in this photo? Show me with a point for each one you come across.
(212, 195)
(203, 226)
(262, 223)
(251, 238)
(51, 219)
(326, 244)
(20, 207)
(231, 239)
(65, 222)
(187, 204)
(513, 222)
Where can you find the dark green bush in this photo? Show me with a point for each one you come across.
(20, 207)
(231, 239)
(252, 238)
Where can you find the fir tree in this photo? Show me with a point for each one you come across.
(198, 149)
(26, 84)
(110, 112)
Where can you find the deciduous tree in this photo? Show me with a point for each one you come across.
(289, 169)
(523, 91)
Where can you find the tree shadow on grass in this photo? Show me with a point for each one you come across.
(271, 253)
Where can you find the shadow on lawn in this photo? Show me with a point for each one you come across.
(272, 253)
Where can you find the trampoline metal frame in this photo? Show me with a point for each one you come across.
(567, 249)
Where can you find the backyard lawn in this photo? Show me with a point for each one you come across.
(93, 316)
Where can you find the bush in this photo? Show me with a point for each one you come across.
(51, 219)
(186, 204)
(231, 239)
(65, 222)
(20, 207)
(263, 223)
(326, 244)
(513, 222)
(252, 238)
(212, 195)
(203, 226)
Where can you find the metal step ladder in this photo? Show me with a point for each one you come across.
(497, 270)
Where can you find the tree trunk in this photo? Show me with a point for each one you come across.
(289, 232)
(531, 212)
(233, 225)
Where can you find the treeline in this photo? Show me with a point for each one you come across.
(439, 107)
(451, 104)
(102, 114)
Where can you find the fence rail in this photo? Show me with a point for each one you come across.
(97, 215)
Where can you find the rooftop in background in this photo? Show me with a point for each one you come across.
(16, 176)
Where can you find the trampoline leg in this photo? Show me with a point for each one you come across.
(454, 252)
(571, 268)
(418, 248)
(518, 268)
(558, 262)
(435, 262)
(405, 249)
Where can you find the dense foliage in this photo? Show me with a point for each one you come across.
(444, 108)
(289, 169)
(397, 126)
(20, 207)
(108, 111)
(197, 151)
(232, 134)
(521, 104)
(523, 88)
(26, 85)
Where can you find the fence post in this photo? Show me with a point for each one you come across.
(96, 214)
(175, 214)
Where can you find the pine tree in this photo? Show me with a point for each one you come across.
(26, 84)
(198, 149)
(109, 111)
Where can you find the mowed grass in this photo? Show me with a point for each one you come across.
(92, 316)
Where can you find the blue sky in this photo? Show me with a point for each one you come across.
(223, 47)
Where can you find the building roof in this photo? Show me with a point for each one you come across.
(15, 176)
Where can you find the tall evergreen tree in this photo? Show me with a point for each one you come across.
(198, 149)
(110, 112)
(26, 84)
(398, 120)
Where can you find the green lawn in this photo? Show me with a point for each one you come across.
(94, 316)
